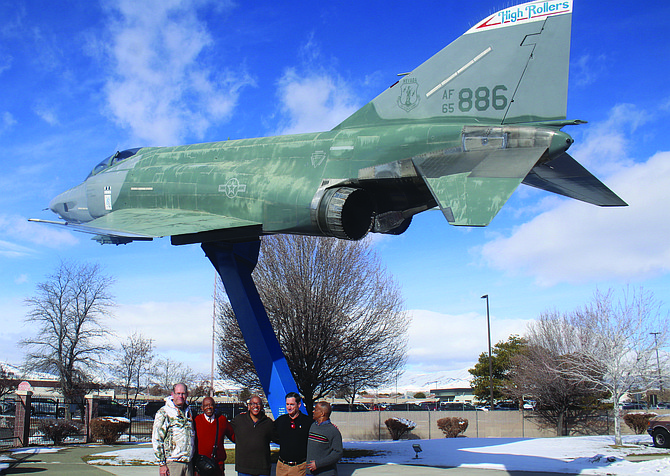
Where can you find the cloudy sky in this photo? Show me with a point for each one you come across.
(82, 79)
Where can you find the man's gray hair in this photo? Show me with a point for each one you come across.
(174, 387)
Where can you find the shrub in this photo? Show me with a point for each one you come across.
(108, 429)
(452, 426)
(58, 430)
(638, 422)
(399, 426)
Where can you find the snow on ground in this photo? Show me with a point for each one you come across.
(131, 456)
(34, 450)
(577, 455)
(589, 455)
(5, 460)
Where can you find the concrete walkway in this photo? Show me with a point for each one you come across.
(70, 461)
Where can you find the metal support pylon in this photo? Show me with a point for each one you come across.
(234, 262)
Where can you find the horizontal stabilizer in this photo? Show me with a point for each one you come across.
(565, 176)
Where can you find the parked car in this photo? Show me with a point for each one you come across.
(112, 408)
(634, 406)
(529, 405)
(403, 407)
(152, 407)
(659, 429)
(458, 407)
(230, 410)
(349, 407)
(506, 406)
(430, 406)
(47, 407)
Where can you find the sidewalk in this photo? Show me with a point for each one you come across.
(69, 461)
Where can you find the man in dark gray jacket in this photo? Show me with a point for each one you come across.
(324, 445)
(253, 433)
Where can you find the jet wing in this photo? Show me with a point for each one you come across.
(471, 187)
(185, 226)
(565, 176)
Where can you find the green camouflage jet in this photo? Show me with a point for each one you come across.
(459, 132)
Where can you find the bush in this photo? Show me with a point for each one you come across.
(58, 430)
(638, 422)
(399, 426)
(452, 426)
(108, 429)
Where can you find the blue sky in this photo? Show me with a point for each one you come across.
(82, 79)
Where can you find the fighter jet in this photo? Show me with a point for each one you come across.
(460, 132)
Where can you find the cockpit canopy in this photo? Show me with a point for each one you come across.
(113, 159)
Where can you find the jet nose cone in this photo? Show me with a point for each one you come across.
(71, 205)
(59, 205)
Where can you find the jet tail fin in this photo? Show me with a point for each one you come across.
(511, 67)
(565, 176)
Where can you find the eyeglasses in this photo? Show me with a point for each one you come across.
(255, 404)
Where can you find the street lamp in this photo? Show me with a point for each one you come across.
(488, 325)
(658, 364)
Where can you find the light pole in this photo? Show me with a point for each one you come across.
(488, 325)
(435, 382)
(658, 364)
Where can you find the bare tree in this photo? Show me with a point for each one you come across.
(336, 312)
(133, 367)
(67, 313)
(7, 382)
(615, 350)
(564, 403)
(623, 347)
(168, 372)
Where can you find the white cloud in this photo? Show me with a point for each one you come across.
(587, 69)
(439, 342)
(576, 242)
(604, 148)
(47, 115)
(162, 88)
(5, 62)
(15, 229)
(314, 97)
(314, 101)
(6, 121)
(180, 330)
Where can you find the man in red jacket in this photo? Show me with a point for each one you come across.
(205, 433)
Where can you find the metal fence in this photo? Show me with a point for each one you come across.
(6, 430)
(48, 411)
(364, 425)
(141, 423)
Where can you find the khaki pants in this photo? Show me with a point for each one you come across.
(177, 468)
(286, 470)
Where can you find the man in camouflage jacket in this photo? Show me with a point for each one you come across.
(173, 436)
